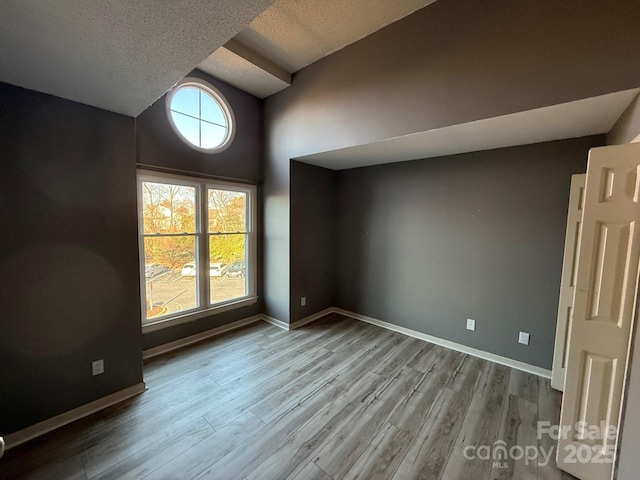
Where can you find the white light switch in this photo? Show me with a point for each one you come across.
(303, 301)
(523, 338)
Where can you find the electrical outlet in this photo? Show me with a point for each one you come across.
(97, 367)
(471, 324)
(523, 338)
(303, 301)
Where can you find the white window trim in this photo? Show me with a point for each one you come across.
(219, 98)
(202, 250)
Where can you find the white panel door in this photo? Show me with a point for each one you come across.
(603, 313)
(568, 280)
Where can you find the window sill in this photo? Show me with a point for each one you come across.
(189, 317)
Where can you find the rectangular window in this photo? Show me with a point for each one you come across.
(197, 247)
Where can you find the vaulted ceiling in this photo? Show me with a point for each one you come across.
(119, 55)
(292, 34)
(122, 55)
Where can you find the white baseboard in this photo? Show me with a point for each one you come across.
(276, 322)
(29, 433)
(58, 421)
(183, 342)
(311, 318)
(492, 357)
(509, 362)
(298, 323)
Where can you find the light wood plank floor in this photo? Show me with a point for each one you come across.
(336, 399)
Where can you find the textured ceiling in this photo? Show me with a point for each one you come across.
(589, 116)
(240, 72)
(295, 33)
(119, 55)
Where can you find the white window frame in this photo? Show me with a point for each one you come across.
(219, 98)
(202, 235)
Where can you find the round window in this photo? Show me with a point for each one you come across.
(200, 115)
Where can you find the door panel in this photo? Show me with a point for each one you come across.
(603, 313)
(611, 257)
(595, 397)
(568, 280)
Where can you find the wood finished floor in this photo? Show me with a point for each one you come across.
(336, 399)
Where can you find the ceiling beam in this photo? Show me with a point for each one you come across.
(258, 60)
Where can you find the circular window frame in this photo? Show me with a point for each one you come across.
(219, 98)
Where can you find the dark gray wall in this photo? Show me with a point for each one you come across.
(159, 146)
(452, 62)
(68, 256)
(276, 222)
(429, 243)
(313, 242)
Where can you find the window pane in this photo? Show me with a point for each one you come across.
(170, 286)
(212, 135)
(227, 211)
(227, 267)
(200, 116)
(211, 111)
(188, 127)
(168, 208)
(186, 100)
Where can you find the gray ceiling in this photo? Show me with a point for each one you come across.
(119, 55)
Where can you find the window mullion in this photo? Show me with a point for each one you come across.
(250, 242)
(169, 235)
(200, 117)
(203, 248)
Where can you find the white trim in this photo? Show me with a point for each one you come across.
(311, 318)
(202, 238)
(195, 315)
(276, 322)
(29, 433)
(61, 420)
(222, 102)
(298, 323)
(492, 357)
(183, 342)
(509, 362)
